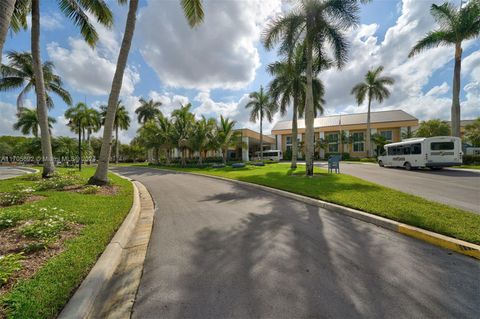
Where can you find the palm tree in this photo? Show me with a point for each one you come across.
(28, 122)
(149, 136)
(148, 110)
(201, 135)
(226, 136)
(373, 87)
(76, 10)
(18, 74)
(289, 85)
(313, 23)
(120, 122)
(261, 106)
(65, 147)
(194, 13)
(6, 12)
(455, 26)
(183, 125)
(83, 120)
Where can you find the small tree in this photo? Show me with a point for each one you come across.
(472, 133)
(433, 128)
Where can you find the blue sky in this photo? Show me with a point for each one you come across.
(216, 65)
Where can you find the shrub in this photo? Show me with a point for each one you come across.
(58, 182)
(8, 220)
(13, 198)
(32, 177)
(34, 247)
(8, 265)
(345, 156)
(45, 228)
(287, 155)
(90, 189)
(471, 159)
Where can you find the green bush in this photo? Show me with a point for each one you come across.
(8, 265)
(471, 159)
(287, 155)
(45, 228)
(90, 189)
(13, 198)
(58, 182)
(8, 219)
(345, 156)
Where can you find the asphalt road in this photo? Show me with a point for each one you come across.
(10, 172)
(222, 250)
(454, 187)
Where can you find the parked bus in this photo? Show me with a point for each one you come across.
(270, 155)
(432, 152)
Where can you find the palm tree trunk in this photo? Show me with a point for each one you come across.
(224, 153)
(101, 174)
(456, 91)
(183, 157)
(309, 113)
(116, 144)
(261, 138)
(48, 165)
(294, 134)
(200, 158)
(6, 11)
(368, 138)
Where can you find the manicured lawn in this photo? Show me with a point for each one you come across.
(469, 166)
(357, 193)
(96, 216)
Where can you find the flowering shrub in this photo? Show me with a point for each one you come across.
(58, 182)
(46, 228)
(90, 189)
(32, 177)
(8, 265)
(13, 198)
(8, 220)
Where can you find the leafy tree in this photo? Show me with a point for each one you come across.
(193, 11)
(83, 120)
(455, 25)
(261, 107)
(373, 87)
(183, 125)
(65, 147)
(18, 74)
(28, 122)
(380, 142)
(313, 23)
(148, 110)
(5, 150)
(226, 136)
(472, 133)
(433, 128)
(121, 121)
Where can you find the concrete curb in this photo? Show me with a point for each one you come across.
(82, 302)
(459, 246)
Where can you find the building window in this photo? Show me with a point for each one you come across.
(332, 140)
(358, 142)
(387, 135)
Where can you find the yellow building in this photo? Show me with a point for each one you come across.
(353, 127)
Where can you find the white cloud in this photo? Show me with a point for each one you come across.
(90, 70)
(220, 53)
(7, 118)
(438, 90)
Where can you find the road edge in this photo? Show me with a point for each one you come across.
(83, 300)
(450, 243)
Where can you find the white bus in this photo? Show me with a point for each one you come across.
(432, 152)
(270, 155)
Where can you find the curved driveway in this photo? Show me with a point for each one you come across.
(11, 171)
(223, 250)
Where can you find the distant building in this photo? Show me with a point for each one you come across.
(390, 124)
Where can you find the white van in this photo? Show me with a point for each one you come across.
(432, 152)
(270, 155)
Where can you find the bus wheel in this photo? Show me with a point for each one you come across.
(380, 163)
(407, 166)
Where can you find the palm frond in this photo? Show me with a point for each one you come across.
(74, 12)
(193, 10)
(432, 40)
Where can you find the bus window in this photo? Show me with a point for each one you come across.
(416, 149)
(406, 150)
(442, 146)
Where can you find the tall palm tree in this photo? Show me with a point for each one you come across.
(6, 12)
(288, 87)
(201, 134)
(374, 87)
(194, 13)
(183, 126)
(226, 136)
(76, 10)
(18, 74)
(261, 107)
(313, 23)
(28, 122)
(83, 120)
(149, 136)
(120, 122)
(455, 26)
(148, 110)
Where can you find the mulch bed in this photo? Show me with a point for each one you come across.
(104, 190)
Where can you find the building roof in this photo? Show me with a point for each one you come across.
(350, 119)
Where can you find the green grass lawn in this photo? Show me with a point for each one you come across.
(44, 295)
(469, 166)
(356, 193)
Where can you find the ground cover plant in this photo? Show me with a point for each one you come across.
(50, 241)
